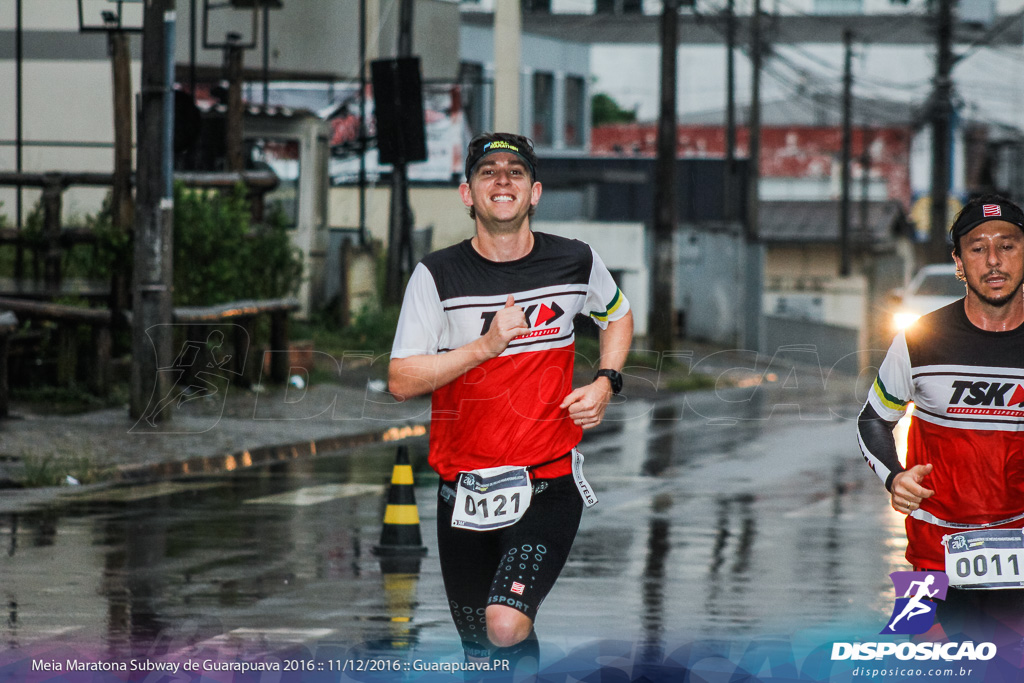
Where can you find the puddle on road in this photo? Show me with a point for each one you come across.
(692, 538)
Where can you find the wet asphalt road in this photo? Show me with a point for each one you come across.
(741, 514)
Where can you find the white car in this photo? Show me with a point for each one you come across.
(931, 287)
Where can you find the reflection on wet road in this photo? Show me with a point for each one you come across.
(760, 520)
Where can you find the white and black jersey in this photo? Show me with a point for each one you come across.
(506, 410)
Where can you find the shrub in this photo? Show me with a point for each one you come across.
(220, 257)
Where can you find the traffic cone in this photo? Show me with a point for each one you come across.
(400, 535)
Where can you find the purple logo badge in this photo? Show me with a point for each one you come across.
(914, 611)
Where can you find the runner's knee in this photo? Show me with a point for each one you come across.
(507, 626)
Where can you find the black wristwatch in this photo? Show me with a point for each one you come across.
(614, 376)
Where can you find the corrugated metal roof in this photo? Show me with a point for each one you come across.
(818, 221)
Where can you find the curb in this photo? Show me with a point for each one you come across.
(261, 455)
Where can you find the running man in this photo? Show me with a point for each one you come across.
(487, 326)
(914, 607)
(963, 367)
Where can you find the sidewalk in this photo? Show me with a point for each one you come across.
(228, 430)
(233, 428)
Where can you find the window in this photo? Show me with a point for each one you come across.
(543, 109)
(574, 121)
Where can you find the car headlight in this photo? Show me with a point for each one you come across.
(901, 320)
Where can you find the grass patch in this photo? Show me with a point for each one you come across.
(54, 470)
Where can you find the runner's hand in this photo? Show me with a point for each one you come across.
(508, 323)
(587, 404)
(907, 490)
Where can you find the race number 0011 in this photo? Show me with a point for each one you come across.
(980, 565)
(985, 558)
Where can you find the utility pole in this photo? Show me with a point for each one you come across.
(152, 274)
(662, 308)
(865, 177)
(754, 169)
(730, 111)
(233, 54)
(19, 58)
(844, 203)
(362, 123)
(754, 271)
(941, 111)
(508, 26)
(121, 202)
(400, 226)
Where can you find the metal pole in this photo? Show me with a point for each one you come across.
(665, 216)
(167, 160)
(399, 237)
(755, 123)
(754, 265)
(730, 110)
(152, 273)
(192, 49)
(508, 28)
(941, 116)
(865, 165)
(19, 251)
(362, 123)
(233, 144)
(266, 56)
(121, 201)
(844, 203)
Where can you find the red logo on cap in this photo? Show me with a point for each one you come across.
(990, 210)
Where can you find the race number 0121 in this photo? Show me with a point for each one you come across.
(499, 502)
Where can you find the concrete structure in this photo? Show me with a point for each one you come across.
(554, 91)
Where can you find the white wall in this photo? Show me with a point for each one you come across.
(621, 247)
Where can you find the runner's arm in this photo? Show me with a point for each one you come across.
(878, 445)
(588, 403)
(421, 374)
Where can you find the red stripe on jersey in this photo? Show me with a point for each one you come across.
(977, 476)
(505, 411)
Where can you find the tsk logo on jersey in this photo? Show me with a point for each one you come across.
(914, 612)
(538, 316)
(986, 398)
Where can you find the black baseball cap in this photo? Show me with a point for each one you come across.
(491, 143)
(983, 209)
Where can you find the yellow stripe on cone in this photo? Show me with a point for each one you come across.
(401, 514)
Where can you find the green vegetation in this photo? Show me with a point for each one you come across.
(54, 470)
(604, 110)
(219, 256)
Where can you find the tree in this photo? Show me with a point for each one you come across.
(606, 110)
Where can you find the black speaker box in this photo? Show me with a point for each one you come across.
(398, 107)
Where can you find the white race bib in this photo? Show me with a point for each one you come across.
(985, 558)
(491, 498)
